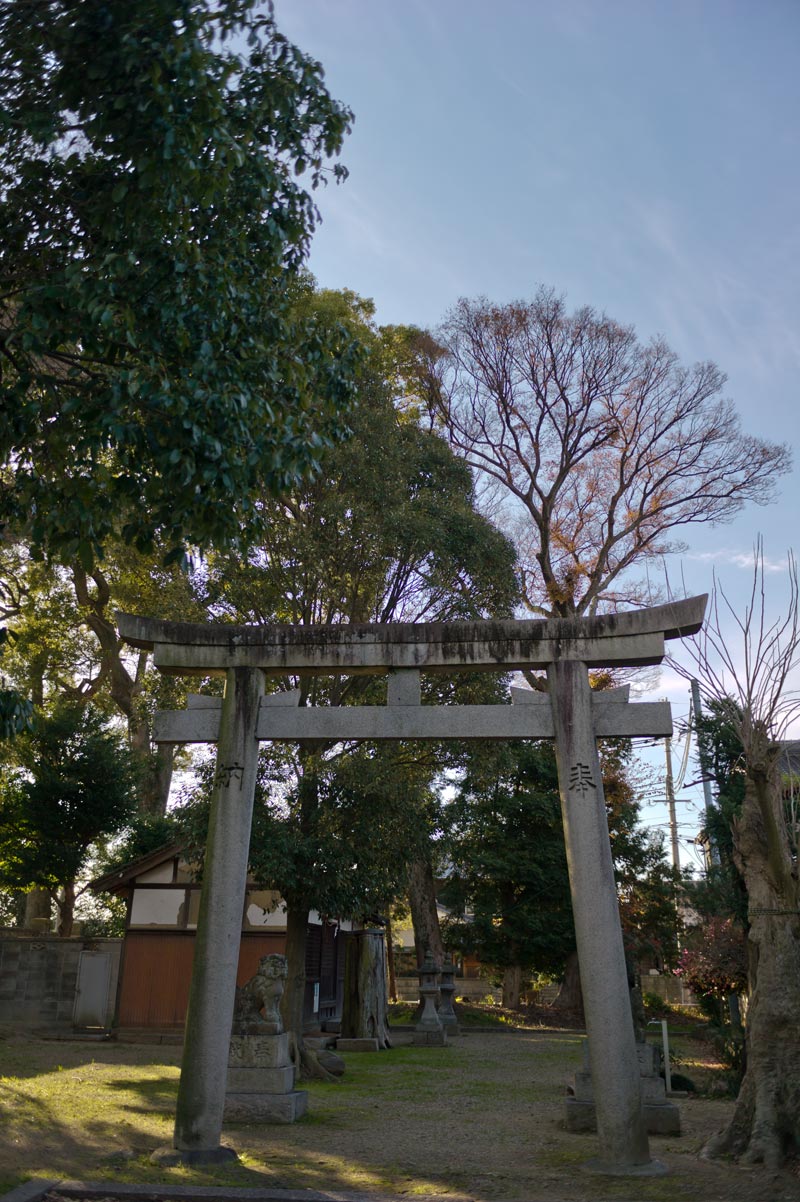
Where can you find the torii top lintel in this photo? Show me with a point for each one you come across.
(628, 639)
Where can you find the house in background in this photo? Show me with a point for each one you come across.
(163, 902)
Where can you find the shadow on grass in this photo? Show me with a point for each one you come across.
(153, 1091)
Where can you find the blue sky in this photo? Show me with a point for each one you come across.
(640, 156)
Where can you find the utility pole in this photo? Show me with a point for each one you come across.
(702, 755)
(673, 820)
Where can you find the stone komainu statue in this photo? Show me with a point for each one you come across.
(257, 1006)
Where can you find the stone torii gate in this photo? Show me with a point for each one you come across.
(570, 713)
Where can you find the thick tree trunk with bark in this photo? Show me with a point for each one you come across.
(424, 915)
(364, 1011)
(94, 597)
(766, 1123)
(390, 960)
(65, 900)
(512, 987)
(155, 766)
(570, 996)
(305, 1059)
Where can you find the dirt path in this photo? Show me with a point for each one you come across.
(481, 1119)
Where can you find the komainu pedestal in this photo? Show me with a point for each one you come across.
(661, 1116)
(261, 1075)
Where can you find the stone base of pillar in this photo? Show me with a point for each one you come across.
(653, 1168)
(174, 1156)
(660, 1119)
(266, 1107)
(430, 1039)
(661, 1116)
(261, 1080)
(452, 1028)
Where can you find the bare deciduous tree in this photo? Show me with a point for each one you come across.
(602, 445)
(749, 680)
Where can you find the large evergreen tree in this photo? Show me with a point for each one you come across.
(71, 784)
(387, 531)
(508, 874)
(156, 376)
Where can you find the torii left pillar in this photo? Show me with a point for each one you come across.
(198, 1117)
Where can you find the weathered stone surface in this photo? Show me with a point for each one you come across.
(259, 1051)
(447, 1015)
(430, 1039)
(609, 1021)
(266, 1108)
(261, 1080)
(31, 1191)
(204, 1066)
(517, 721)
(257, 1007)
(629, 638)
(660, 1118)
(357, 1045)
(649, 1058)
(566, 647)
(38, 978)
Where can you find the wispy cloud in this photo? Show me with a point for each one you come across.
(739, 559)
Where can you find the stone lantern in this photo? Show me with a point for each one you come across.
(447, 989)
(429, 1031)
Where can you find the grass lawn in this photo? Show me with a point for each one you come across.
(480, 1119)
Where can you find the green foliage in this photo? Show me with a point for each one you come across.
(722, 891)
(15, 714)
(73, 784)
(158, 375)
(142, 835)
(509, 868)
(388, 530)
(335, 838)
(655, 1004)
(15, 711)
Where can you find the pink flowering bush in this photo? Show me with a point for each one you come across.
(717, 964)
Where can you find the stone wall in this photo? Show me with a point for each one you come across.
(668, 987)
(38, 977)
(475, 989)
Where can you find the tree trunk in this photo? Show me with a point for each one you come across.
(512, 987)
(570, 996)
(364, 1012)
(766, 1123)
(94, 597)
(305, 1059)
(293, 998)
(424, 915)
(155, 766)
(66, 909)
(390, 960)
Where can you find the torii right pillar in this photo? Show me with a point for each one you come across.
(621, 1126)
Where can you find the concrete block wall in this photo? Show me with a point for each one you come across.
(38, 976)
(668, 987)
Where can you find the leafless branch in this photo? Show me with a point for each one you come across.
(751, 675)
